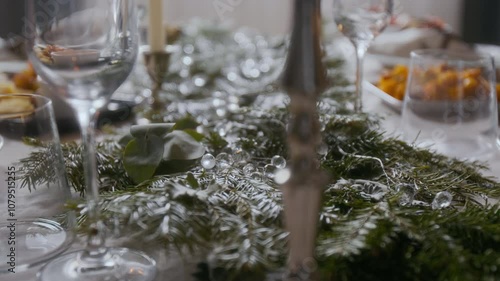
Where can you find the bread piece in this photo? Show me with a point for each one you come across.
(15, 106)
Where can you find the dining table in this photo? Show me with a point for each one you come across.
(172, 265)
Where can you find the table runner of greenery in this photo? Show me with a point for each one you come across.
(380, 219)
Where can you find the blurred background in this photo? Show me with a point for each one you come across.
(274, 16)
(477, 21)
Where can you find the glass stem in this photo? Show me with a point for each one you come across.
(96, 237)
(360, 55)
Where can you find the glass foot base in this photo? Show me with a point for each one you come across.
(36, 241)
(120, 264)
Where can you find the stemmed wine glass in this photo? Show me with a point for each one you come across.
(361, 21)
(86, 49)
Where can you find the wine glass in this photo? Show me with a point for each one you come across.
(86, 49)
(361, 21)
(32, 176)
(450, 103)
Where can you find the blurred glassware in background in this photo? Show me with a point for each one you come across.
(215, 70)
(450, 103)
(34, 219)
(361, 21)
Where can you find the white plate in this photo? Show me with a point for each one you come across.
(397, 105)
(492, 50)
(13, 66)
(389, 60)
(390, 101)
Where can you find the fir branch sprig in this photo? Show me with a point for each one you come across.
(112, 176)
(34, 171)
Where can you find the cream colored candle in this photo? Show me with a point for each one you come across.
(156, 32)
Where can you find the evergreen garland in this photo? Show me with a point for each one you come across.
(365, 233)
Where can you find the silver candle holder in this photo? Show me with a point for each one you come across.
(304, 79)
(157, 63)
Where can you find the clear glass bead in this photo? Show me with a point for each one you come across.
(282, 176)
(371, 190)
(248, 169)
(442, 200)
(240, 155)
(256, 176)
(278, 161)
(208, 161)
(407, 194)
(227, 150)
(199, 80)
(322, 149)
(224, 160)
(270, 171)
(221, 129)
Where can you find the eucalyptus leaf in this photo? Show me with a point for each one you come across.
(175, 166)
(185, 123)
(180, 145)
(197, 136)
(142, 157)
(125, 139)
(160, 130)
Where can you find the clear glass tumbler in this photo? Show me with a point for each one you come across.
(34, 222)
(450, 103)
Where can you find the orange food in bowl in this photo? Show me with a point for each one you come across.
(22, 82)
(26, 79)
(393, 81)
(435, 82)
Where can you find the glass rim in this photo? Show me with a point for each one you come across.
(43, 103)
(452, 56)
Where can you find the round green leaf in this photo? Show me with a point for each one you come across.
(160, 130)
(179, 145)
(193, 133)
(174, 167)
(142, 156)
(185, 123)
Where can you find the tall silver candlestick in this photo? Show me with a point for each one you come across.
(304, 78)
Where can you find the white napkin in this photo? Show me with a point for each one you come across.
(402, 42)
